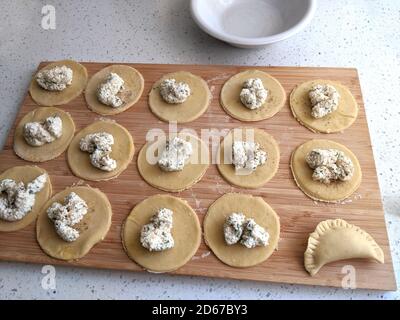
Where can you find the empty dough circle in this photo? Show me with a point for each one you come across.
(186, 232)
(342, 118)
(238, 255)
(231, 103)
(175, 181)
(26, 174)
(55, 98)
(133, 89)
(194, 106)
(302, 173)
(122, 151)
(93, 228)
(263, 173)
(47, 151)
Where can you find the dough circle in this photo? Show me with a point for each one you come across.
(47, 151)
(186, 232)
(134, 85)
(263, 173)
(302, 173)
(93, 228)
(122, 151)
(238, 255)
(230, 97)
(195, 105)
(342, 118)
(55, 98)
(178, 180)
(26, 174)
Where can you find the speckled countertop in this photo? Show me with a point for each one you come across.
(356, 33)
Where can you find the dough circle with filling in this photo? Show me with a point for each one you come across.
(263, 173)
(340, 119)
(174, 181)
(133, 89)
(237, 255)
(195, 105)
(231, 103)
(47, 151)
(92, 228)
(186, 232)
(26, 174)
(122, 151)
(55, 98)
(302, 173)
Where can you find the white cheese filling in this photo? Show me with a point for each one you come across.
(247, 155)
(99, 146)
(37, 134)
(107, 92)
(55, 79)
(239, 229)
(65, 216)
(330, 165)
(175, 155)
(156, 236)
(253, 94)
(16, 200)
(324, 100)
(174, 92)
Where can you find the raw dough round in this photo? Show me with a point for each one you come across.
(47, 151)
(93, 228)
(178, 180)
(263, 173)
(342, 118)
(302, 173)
(230, 96)
(238, 255)
(122, 151)
(55, 98)
(26, 174)
(195, 105)
(134, 84)
(186, 232)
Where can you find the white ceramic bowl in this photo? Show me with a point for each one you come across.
(252, 23)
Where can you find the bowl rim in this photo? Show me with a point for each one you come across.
(304, 21)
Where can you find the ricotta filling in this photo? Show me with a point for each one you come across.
(330, 165)
(239, 229)
(107, 92)
(156, 236)
(176, 154)
(253, 94)
(16, 199)
(37, 134)
(174, 92)
(65, 216)
(98, 145)
(247, 155)
(324, 100)
(55, 79)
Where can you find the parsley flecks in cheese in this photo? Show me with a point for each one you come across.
(107, 92)
(239, 229)
(156, 236)
(247, 155)
(55, 79)
(174, 92)
(324, 100)
(253, 94)
(175, 155)
(99, 146)
(39, 133)
(65, 216)
(16, 200)
(330, 165)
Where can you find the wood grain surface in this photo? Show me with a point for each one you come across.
(298, 214)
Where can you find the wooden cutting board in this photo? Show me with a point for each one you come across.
(298, 214)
